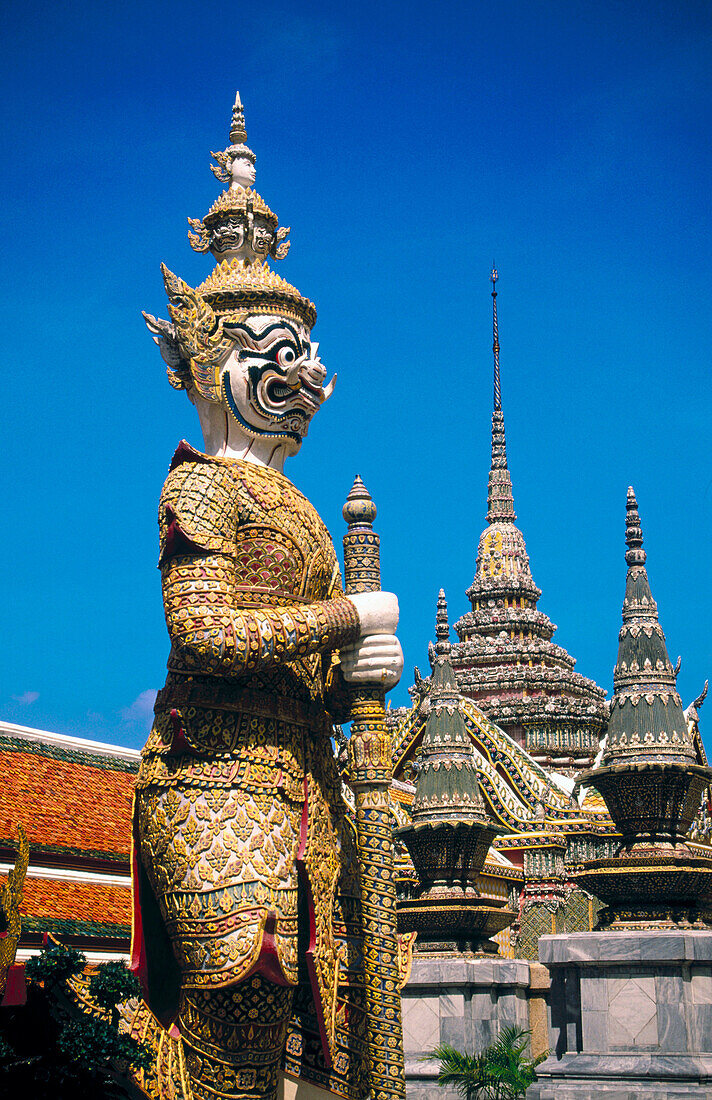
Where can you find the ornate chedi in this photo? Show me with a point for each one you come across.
(505, 659)
(649, 775)
(450, 833)
(252, 888)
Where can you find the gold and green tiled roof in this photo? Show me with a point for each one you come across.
(447, 788)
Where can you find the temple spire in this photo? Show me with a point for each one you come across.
(447, 788)
(505, 659)
(442, 628)
(634, 555)
(500, 503)
(494, 275)
(646, 719)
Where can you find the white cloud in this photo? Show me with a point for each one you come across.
(141, 710)
(26, 698)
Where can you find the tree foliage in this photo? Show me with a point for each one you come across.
(52, 1050)
(503, 1071)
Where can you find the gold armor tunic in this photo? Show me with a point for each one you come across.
(237, 794)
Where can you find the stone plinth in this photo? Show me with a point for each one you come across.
(460, 1001)
(630, 1015)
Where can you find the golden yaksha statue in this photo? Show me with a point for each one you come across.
(245, 876)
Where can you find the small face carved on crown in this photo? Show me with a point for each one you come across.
(242, 171)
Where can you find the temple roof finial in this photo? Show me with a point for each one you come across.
(646, 719)
(634, 555)
(494, 275)
(442, 627)
(500, 503)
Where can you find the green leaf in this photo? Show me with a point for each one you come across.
(502, 1071)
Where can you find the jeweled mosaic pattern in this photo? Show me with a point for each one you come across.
(239, 812)
(370, 769)
(238, 807)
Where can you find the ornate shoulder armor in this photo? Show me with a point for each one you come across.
(199, 506)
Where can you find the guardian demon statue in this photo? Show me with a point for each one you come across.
(245, 874)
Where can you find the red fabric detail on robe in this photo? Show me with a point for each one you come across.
(268, 964)
(177, 542)
(179, 744)
(152, 959)
(185, 453)
(15, 992)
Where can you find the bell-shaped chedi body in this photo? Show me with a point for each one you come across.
(506, 660)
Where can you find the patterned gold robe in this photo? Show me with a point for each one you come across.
(237, 797)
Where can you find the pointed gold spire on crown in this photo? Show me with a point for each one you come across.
(239, 224)
(241, 232)
(238, 133)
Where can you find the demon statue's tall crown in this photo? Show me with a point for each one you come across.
(208, 322)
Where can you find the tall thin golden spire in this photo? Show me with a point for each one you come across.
(500, 503)
(494, 275)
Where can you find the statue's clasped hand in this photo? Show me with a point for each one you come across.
(377, 657)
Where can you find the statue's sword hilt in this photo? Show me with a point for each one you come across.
(371, 771)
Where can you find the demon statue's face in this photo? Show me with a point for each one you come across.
(253, 375)
(273, 381)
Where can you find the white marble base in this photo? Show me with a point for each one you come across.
(630, 1015)
(460, 1001)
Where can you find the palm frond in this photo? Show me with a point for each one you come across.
(456, 1069)
(502, 1071)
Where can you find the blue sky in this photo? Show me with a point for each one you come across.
(406, 145)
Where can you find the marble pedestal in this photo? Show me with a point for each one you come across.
(461, 1001)
(630, 1016)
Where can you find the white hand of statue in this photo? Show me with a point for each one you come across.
(374, 659)
(377, 612)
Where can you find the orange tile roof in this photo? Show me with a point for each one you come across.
(65, 805)
(89, 902)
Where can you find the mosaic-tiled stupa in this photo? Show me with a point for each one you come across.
(450, 832)
(505, 660)
(649, 775)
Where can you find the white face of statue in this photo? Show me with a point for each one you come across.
(273, 382)
(243, 173)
